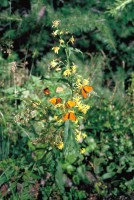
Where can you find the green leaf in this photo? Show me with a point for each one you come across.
(59, 178)
(108, 175)
(71, 148)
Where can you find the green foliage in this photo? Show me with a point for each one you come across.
(119, 5)
(100, 165)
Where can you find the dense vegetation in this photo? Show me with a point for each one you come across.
(66, 99)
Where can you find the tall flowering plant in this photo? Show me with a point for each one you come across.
(69, 99)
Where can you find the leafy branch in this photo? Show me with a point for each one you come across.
(119, 5)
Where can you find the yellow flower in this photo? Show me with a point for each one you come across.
(67, 72)
(55, 23)
(56, 117)
(61, 41)
(72, 40)
(53, 63)
(85, 82)
(79, 138)
(58, 69)
(82, 107)
(78, 83)
(54, 33)
(36, 104)
(73, 69)
(84, 135)
(60, 121)
(77, 99)
(59, 105)
(60, 145)
(83, 150)
(56, 49)
(61, 32)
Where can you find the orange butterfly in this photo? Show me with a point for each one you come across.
(69, 116)
(70, 104)
(46, 91)
(55, 100)
(85, 90)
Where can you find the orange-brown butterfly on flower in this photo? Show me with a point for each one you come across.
(85, 90)
(70, 104)
(46, 91)
(69, 116)
(55, 100)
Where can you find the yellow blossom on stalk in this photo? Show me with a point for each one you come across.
(85, 82)
(72, 40)
(35, 104)
(54, 33)
(78, 83)
(79, 137)
(83, 150)
(77, 99)
(73, 69)
(56, 117)
(56, 49)
(60, 145)
(55, 23)
(84, 135)
(59, 105)
(67, 72)
(82, 107)
(60, 121)
(53, 63)
(58, 69)
(61, 41)
(61, 32)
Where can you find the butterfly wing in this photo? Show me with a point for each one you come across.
(88, 88)
(58, 100)
(66, 116)
(72, 116)
(85, 90)
(46, 91)
(84, 93)
(70, 104)
(69, 116)
(55, 100)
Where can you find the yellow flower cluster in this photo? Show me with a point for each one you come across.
(80, 136)
(85, 82)
(54, 63)
(55, 23)
(61, 41)
(80, 82)
(56, 49)
(60, 145)
(67, 72)
(55, 33)
(83, 150)
(82, 107)
(72, 40)
(74, 68)
(70, 71)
